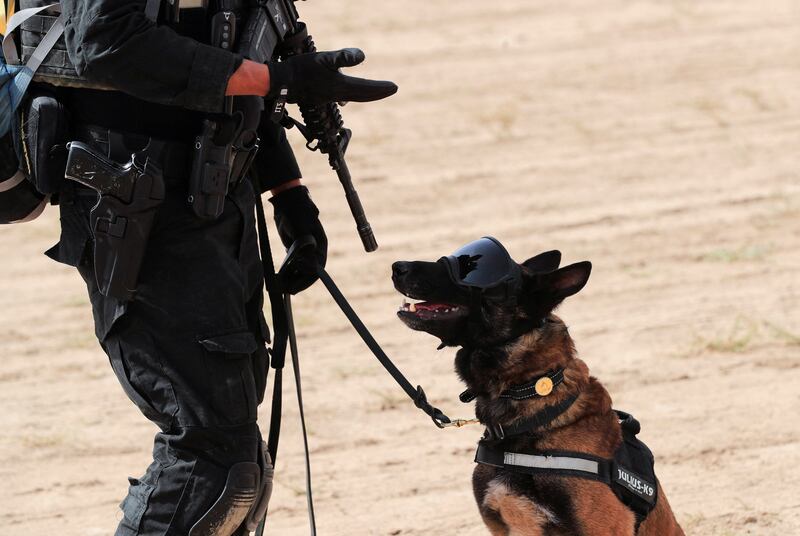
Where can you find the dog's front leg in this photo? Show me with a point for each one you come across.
(506, 513)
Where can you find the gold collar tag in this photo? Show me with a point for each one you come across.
(544, 386)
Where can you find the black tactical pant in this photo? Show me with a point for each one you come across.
(189, 351)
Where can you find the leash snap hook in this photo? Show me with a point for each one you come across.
(460, 423)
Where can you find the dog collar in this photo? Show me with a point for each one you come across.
(536, 388)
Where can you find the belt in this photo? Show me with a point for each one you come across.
(174, 158)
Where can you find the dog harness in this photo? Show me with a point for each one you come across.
(630, 474)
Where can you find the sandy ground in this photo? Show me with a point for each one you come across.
(657, 139)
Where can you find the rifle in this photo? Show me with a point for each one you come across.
(324, 128)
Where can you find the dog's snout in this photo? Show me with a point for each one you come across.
(400, 268)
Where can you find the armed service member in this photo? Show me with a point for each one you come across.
(182, 324)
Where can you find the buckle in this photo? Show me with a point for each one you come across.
(494, 432)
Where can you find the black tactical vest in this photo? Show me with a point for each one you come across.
(57, 69)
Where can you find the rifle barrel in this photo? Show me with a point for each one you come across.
(356, 208)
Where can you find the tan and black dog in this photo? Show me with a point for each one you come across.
(555, 458)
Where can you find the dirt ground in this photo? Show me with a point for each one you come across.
(658, 139)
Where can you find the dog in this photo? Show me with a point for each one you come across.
(555, 458)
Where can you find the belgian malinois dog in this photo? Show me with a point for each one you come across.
(549, 462)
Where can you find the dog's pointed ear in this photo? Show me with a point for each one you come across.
(544, 262)
(567, 281)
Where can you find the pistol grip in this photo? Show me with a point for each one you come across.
(90, 168)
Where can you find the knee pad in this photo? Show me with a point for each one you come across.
(259, 509)
(243, 502)
(231, 508)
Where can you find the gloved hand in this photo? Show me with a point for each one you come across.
(296, 216)
(315, 79)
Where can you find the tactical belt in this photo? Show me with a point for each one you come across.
(174, 158)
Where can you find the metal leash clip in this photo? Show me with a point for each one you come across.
(460, 423)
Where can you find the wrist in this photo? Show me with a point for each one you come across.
(286, 186)
(250, 78)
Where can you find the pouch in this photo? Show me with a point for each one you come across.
(19, 200)
(45, 131)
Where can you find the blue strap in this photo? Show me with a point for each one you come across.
(16, 20)
(16, 78)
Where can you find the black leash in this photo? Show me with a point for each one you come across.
(296, 367)
(418, 394)
(284, 332)
(280, 326)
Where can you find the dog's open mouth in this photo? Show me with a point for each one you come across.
(427, 309)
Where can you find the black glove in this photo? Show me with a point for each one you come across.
(315, 79)
(296, 216)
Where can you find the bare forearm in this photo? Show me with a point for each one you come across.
(286, 186)
(250, 78)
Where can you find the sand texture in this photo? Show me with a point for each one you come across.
(658, 139)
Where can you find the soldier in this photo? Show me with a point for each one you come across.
(190, 347)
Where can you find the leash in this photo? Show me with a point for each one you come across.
(296, 368)
(417, 395)
(285, 334)
(280, 324)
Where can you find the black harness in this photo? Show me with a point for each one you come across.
(630, 473)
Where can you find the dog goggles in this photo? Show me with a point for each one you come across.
(484, 266)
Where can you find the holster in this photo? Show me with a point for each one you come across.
(211, 166)
(129, 196)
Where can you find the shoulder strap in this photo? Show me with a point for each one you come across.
(151, 9)
(16, 20)
(24, 77)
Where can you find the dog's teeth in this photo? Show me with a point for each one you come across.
(413, 308)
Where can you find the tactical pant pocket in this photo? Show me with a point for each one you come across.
(134, 505)
(142, 378)
(232, 383)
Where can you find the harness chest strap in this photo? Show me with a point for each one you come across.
(536, 421)
(568, 464)
(624, 474)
